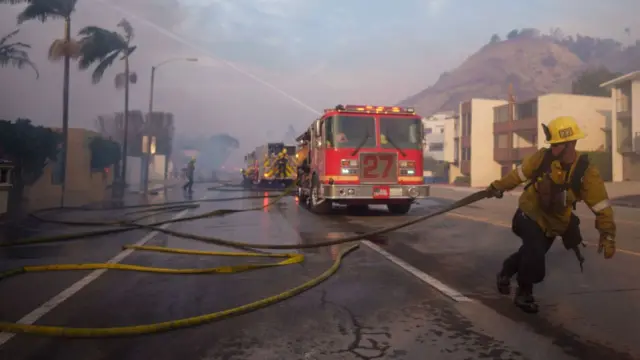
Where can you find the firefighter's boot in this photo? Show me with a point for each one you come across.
(525, 301)
(503, 283)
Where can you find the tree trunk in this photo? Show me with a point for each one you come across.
(125, 142)
(65, 107)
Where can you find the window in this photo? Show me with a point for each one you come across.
(466, 124)
(402, 132)
(622, 99)
(501, 141)
(527, 110)
(428, 130)
(350, 131)
(501, 114)
(328, 125)
(442, 130)
(466, 154)
(436, 146)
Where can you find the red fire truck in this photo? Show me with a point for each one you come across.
(360, 155)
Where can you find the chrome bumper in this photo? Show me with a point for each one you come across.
(335, 192)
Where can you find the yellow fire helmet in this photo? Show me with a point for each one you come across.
(562, 129)
(193, 159)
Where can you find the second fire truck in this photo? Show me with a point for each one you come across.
(270, 165)
(359, 155)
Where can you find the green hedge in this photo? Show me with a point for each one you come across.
(462, 181)
(104, 153)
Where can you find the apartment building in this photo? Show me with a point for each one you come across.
(434, 139)
(517, 132)
(472, 143)
(625, 126)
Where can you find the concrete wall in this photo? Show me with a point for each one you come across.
(484, 169)
(156, 169)
(591, 112)
(134, 170)
(448, 139)
(82, 186)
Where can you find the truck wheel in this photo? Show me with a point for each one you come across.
(316, 205)
(399, 209)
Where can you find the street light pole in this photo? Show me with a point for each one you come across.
(147, 156)
(147, 150)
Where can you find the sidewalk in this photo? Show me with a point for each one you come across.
(28, 226)
(625, 193)
(157, 185)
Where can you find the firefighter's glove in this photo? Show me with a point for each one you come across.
(607, 245)
(492, 192)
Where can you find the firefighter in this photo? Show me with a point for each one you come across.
(302, 163)
(557, 178)
(191, 168)
(282, 160)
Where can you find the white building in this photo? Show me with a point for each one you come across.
(435, 129)
(625, 126)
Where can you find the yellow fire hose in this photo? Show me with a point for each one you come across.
(197, 320)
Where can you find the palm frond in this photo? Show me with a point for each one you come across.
(15, 54)
(127, 28)
(7, 37)
(103, 47)
(40, 10)
(96, 76)
(59, 48)
(120, 80)
(18, 59)
(129, 51)
(56, 50)
(97, 44)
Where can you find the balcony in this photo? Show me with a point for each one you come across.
(465, 141)
(526, 124)
(506, 155)
(465, 167)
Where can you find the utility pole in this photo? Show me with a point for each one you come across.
(512, 104)
(65, 108)
(147, 150)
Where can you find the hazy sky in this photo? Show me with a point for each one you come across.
(323, 52)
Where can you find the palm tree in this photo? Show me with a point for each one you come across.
(102, 47)
(15, 53)
(43, 10)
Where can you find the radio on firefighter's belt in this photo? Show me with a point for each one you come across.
(551, 188)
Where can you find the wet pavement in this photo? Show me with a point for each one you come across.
(371, 309)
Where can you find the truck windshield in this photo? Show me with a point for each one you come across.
(403, 132)
(352, 131)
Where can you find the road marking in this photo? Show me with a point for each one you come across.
(55, 301)
(506, 225)
(421, 275)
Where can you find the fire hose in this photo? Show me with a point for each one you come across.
(122, 226)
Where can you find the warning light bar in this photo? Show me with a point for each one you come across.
(374, 109)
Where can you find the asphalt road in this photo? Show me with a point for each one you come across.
(371, 309)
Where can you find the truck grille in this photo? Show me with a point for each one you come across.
(378, 168)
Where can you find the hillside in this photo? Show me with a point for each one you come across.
(534, 64)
